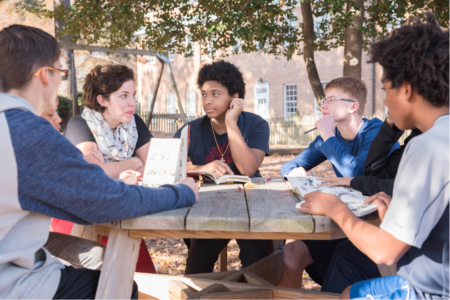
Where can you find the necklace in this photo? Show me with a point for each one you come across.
(218, 148)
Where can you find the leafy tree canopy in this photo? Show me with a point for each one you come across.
(380, 18)
(248, 25)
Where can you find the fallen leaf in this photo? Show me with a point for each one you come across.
(249, 185)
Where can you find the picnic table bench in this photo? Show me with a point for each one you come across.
(266, 212)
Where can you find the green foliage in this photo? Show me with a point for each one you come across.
(64, 106)
(216, 24)
(257, 25)
(381, 17)
(80, 100)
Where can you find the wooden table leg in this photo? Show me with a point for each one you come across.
(119, 264)
(223, 263)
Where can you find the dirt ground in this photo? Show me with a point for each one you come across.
(169, 255)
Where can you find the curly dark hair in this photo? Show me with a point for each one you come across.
(226, 74)
(104, 80)
(418, 54)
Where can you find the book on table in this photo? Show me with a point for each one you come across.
(166, 160)
(352, 198)
(222, 179)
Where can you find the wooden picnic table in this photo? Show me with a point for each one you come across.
(266, 211)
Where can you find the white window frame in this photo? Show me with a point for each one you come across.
(316, 106)
(266, 45)
(151, 59)
(209, 48)
(317, 22)
(171, 55)
(286, 113)
(189, 41)
(238, 46)
(171, 109)
(149, 102)
(293, 24)
(191, 104)
(264, 112)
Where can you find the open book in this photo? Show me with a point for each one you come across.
(166, 161)
(352, 198)
(222, 179)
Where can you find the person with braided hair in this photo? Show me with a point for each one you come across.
(414, 233)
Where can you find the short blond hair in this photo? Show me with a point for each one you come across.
(354, 87)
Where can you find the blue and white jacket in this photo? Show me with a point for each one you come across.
(42, 175)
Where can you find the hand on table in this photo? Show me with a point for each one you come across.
(216, 168)
(191, 184)
(300, 171)
(325, 127)
(131, 177)
(336, 181)
(236, 108)
(382, 201)
(318, 203)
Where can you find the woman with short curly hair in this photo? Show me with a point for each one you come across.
(110, 134)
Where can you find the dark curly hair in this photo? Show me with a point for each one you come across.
(104, 80)
(226, 74)
(418, 54)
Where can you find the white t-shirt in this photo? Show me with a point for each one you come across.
(418, 214)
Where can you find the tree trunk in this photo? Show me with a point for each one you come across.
(353, 41)
(68, 88)
(308, 51)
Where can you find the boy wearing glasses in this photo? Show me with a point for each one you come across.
(344, 139)
(32, 186)
(414, 232)
(344, 136)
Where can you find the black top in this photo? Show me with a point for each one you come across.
(203, 148)
(78, 131)
(381, 168)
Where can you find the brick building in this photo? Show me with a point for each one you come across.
(275, 87)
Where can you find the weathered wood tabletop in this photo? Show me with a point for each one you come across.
(266, 211)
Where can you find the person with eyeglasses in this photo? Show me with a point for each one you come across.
(414, 232)
(63, 73)
(344, 139)
(43, 176)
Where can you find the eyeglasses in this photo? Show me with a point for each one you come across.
(64, 73)
(331, 99)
